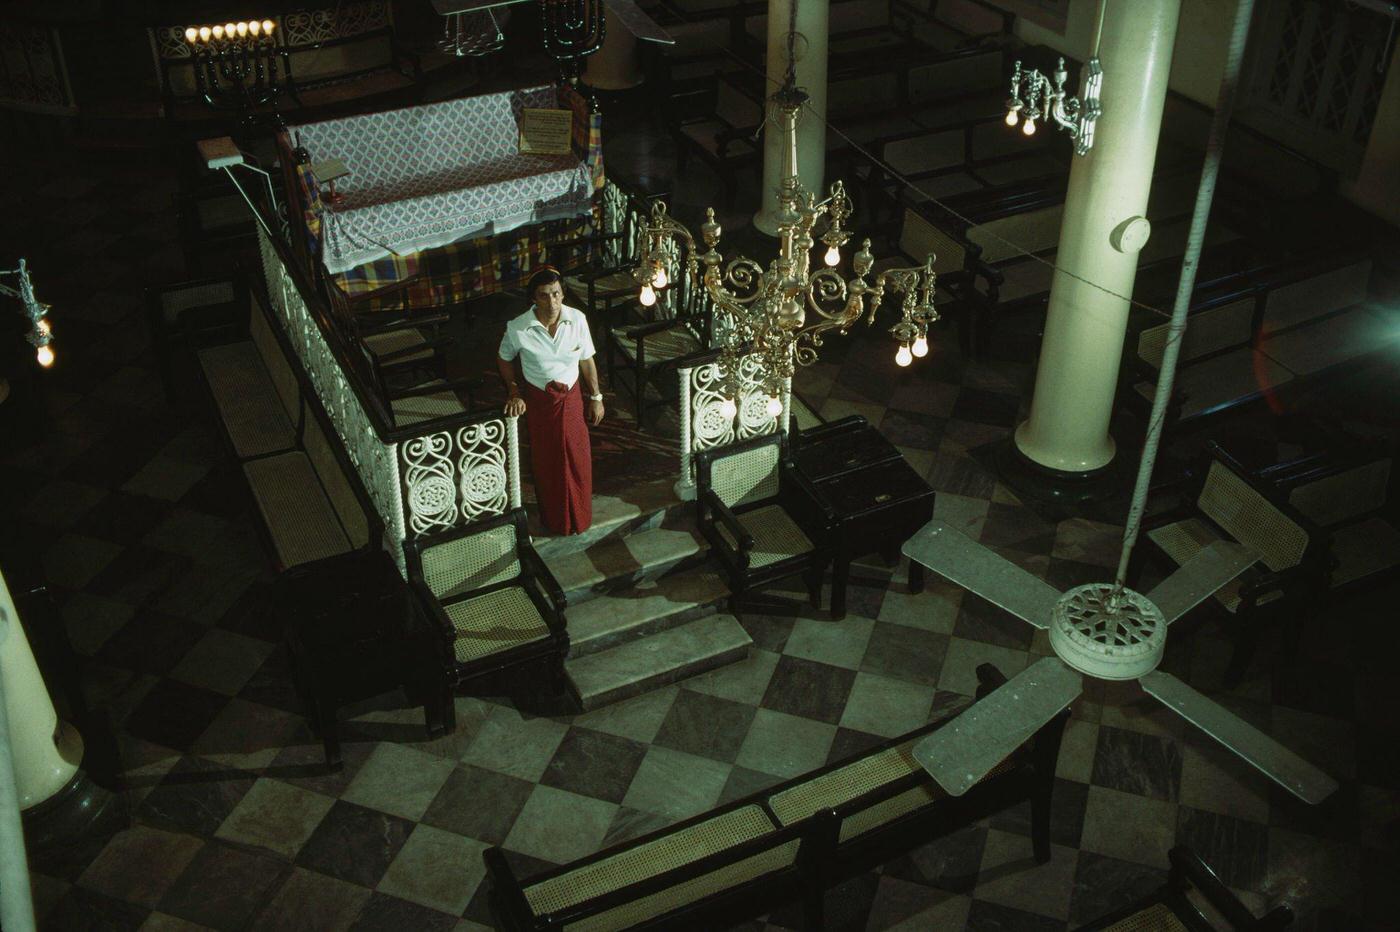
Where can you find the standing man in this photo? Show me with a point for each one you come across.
(556, 358)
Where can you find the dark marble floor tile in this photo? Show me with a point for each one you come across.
(224, 887)
(138, 573)
(151, 642)
(961, 475)
(253, 614)
(196, 796)
(1103, 885)
(86, 909)
(845, 907)
(769, 632)
(174, 715)
(1066, 574)
(980, 620)
(354, 843)
(983, 407)
(384, 913)
(478, 803)
(304, 765)
(905, 653)
(122, 517)
(990, 917)
(949, 862)
(744, 782)
(1017, 527)
(594, 764)
(1067, 806)
(222, 492)
(706, 726)
(850, 743)
(68, 860)
(1236, 849)
(1132, 762)
(808, 689)
(479, 909)
(272, 684)
(908, 429)
(864, 601)
(1337, 817)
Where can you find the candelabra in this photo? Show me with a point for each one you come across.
(572, 30)
(40, 334)
(235, 64)
(1034, 97)
(765, 309)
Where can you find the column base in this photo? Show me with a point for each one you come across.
(1072, 493)
(81, 812)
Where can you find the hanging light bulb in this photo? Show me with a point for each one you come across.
(775, 406)
(648, 296)
(832, 257)
(242, 30)
(229, 30)
(45, 355)
(204, 33)
(903, 357)
(267, 26)
(661, 280)
(920, 347)
(1028, 127)
(728, 409)
(191, 34)
(1012, 117)
(218, 32)
(254, 27)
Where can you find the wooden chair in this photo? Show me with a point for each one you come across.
(761, 520)
(1228, 504)
(498, 606)
(1171, 908)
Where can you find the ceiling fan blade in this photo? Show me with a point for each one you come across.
(1275, 761)
(962, 560)
(965, 750)
(1199, 577)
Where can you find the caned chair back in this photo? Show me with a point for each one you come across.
(283, 378)
(338, 489)
(747, 475)
(1207, 332)
(919, 236)
(1250, 518)
(471, 561)
(1344, 495)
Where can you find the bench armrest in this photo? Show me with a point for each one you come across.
(709, 500)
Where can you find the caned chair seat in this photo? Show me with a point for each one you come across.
(775, 536)
(393, 341)
(1156, 918)
(488, 624)
(844, 784)
(670, 851)
(415, 409)
(1184, 539)
(253, 415)
(299, 518)
(662, 346)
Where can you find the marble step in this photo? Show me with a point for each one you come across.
(643, 610)
(621, 562)
(644, 507)
(653, 662)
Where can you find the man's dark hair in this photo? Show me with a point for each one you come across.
(544, 275)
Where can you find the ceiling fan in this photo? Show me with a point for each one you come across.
(1100, 630)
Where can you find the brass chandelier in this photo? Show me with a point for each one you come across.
(778, 314)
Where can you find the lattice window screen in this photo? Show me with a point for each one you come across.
(1316, 70)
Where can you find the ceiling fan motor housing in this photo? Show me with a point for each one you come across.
(1107, 632)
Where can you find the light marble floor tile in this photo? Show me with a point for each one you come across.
(311, 900)
(1129, 827)
(1077, 748)
(1009, 875)
(785, 745)
(882, 705)
(638, 718)
(537, 829)
(222, 661)
(399, 780)
(140, 863)
(510, 744)
(166, 478)
(934, 609)
(59, 503)
(436, 868)
(1214, 779)
(959, 674)
(745, 681)
(249, 735)
(839, 643)
(276, 816)
(90, 620)
(675, 784)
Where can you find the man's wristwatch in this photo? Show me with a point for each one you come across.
(597, 397)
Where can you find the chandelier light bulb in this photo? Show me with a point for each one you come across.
(661, 280)
(1011, 118)
(728, 409)
(254, 27)
(832, 257)
(191, 34)
(45, 356)
(1028, 127)
(904, 357)
(230, 30)
(204, 33)
(647, 297)
(218, 32)
(242, 30)
(920, 347)
(267, 26)
(775, 406)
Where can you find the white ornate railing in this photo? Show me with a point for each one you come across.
(461, 474)
(375, 461)
(704, 424)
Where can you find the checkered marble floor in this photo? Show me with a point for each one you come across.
(138, 520)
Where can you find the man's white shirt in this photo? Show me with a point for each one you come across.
(543, 358)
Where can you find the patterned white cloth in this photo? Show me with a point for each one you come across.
(422, 177)
(545, 358)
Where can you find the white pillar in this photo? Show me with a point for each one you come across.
(810, 55)
(1100, 237)
(45, 752)
(614, 67)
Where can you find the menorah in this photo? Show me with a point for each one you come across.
(235, 64)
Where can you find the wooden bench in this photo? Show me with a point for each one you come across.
(788, 843)
(726, 138)
(1276, 330)
(1352, 494)
(308, 499)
